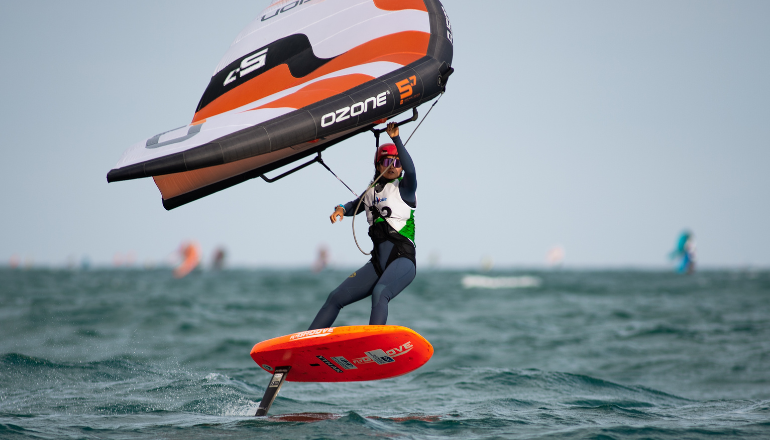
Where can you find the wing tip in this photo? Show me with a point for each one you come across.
(126, 173)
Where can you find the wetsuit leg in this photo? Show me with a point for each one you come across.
(396, 277)
(355, 288)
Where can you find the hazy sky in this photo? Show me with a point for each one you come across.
(605, 127)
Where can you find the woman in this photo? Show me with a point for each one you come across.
(390, 207)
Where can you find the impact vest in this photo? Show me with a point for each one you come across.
(390, 219)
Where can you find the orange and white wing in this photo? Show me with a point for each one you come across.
(304, 75)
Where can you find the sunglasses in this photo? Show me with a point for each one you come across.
(388, 161)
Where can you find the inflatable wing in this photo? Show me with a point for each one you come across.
(304, 75)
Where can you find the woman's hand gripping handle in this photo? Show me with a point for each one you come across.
(392, 130)
(339, 213)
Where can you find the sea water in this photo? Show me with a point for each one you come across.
(130, 354)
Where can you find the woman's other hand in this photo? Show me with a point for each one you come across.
(392, 130)
(339, 212)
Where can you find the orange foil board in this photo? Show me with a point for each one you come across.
(345, 354)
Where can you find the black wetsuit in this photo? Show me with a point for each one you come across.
(394, 258)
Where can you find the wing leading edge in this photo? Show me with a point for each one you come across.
(274, 118)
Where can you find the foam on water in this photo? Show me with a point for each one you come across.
(484, 282)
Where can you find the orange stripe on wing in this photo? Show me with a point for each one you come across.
(402, 48)
(176, 184)
(398, 5)
(318, 90)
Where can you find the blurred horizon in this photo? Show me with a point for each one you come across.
(478, 268)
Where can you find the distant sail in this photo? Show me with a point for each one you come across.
(685, 251)
(304, 75)
(190, 253)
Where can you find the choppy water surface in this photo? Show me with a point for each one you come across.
(530, 355)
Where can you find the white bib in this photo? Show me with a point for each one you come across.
(393, 208)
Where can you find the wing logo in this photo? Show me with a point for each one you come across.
(248, 65)
(449, 35)
(286, 8)
(405, 88)
(354, 110)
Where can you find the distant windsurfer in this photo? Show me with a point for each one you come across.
(685, 249)
(218, 262)
(190, 252)
(390, 207)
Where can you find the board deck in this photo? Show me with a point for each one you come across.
(345, 354)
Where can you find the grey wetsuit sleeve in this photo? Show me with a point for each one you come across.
(351, 205)
(408, 185)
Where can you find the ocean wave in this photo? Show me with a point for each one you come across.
(604, 355)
